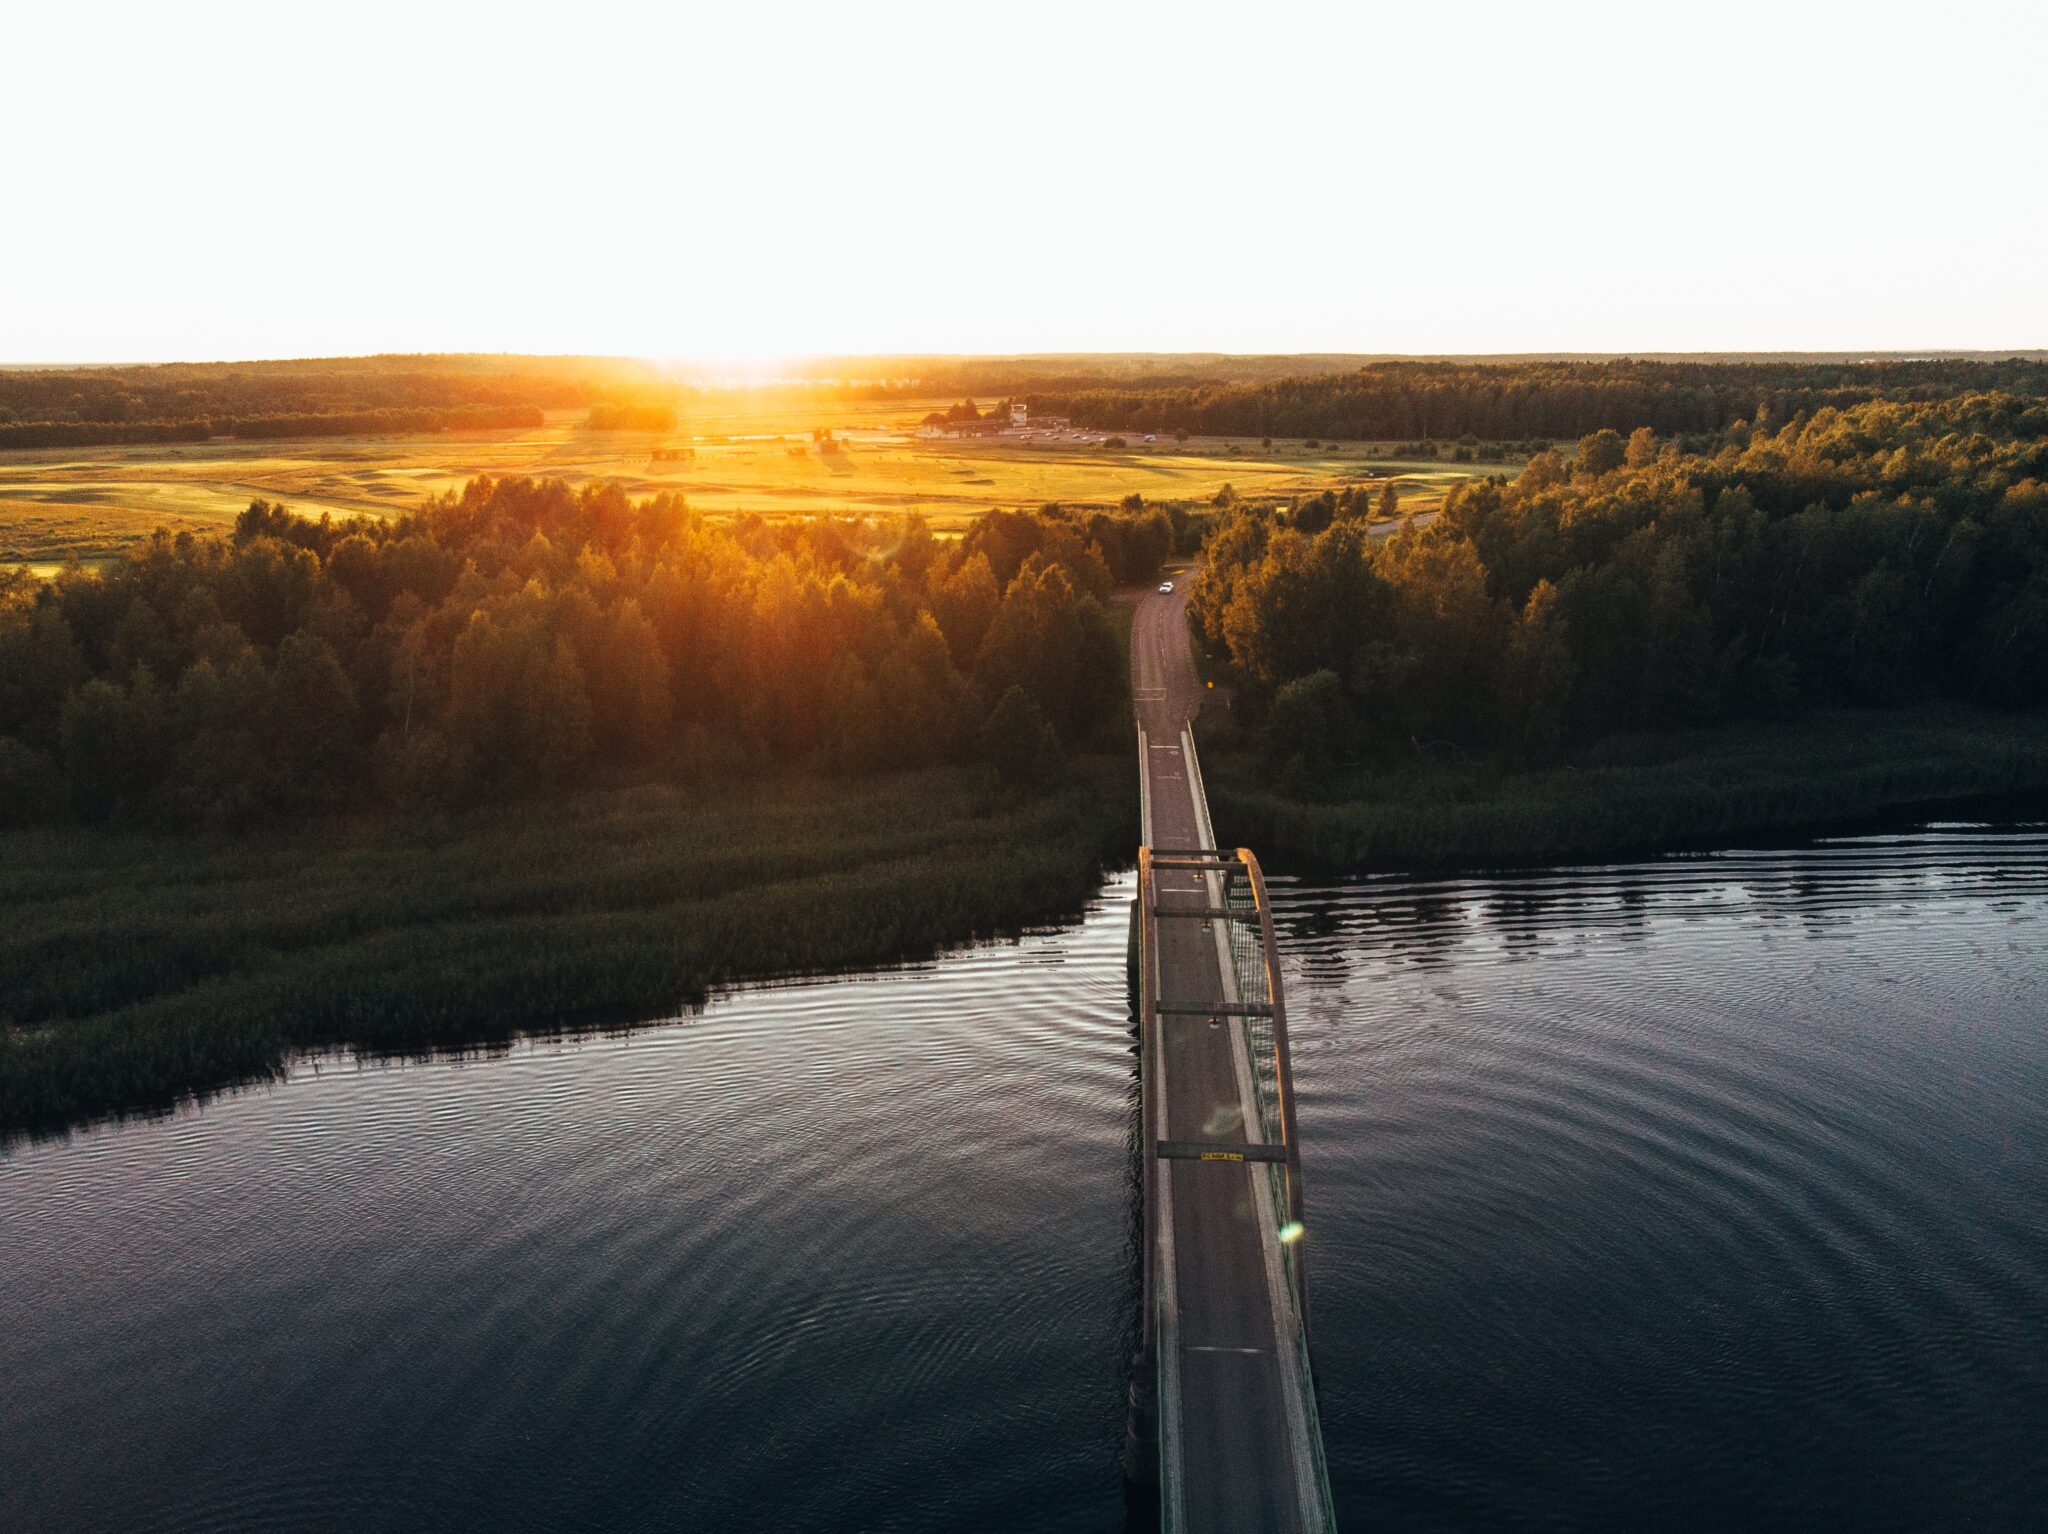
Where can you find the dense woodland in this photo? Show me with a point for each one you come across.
(340, 423)
(521, 636)
(1452, 400)
(1873, 555)
(315, 386)
(189, 402)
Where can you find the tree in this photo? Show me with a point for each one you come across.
(517, 704)
(40, 663)
(628, 682)
(1642, 448)
(1020, 743)
(965, 604)
(916, 548)
(1308, 731)
(220, 772)
(1601, 453)
(926, 707)
(1057, 644)
(266, 586)
(310, 733)
(1542, 471)
(1314, 514)
(1306, 605)
(1537, 682)
(113, 742)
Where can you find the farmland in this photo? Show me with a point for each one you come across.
(738, 455)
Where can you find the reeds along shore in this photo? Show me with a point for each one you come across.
(147, 968)
(1646, 793)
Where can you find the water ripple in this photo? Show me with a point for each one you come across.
(1697, 1192)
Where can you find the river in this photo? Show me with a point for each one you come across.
(1695, 1192)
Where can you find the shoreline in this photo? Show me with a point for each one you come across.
(1833, 773)
(157, 969)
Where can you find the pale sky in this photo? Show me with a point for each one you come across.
(754, 180)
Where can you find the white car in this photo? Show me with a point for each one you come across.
(1166, 588)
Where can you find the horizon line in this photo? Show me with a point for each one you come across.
(760, 362)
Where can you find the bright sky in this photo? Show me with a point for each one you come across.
(756, 179)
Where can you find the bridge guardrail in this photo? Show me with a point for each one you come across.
(1250, 954)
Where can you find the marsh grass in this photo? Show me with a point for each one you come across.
(146, 969)
(1640, 793)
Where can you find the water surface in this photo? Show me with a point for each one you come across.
(842, 1255)
(1697, 1192)
(1709, 1192)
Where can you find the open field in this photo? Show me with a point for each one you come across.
(57, 504)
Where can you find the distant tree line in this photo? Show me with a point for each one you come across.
(347, 423)
(26, 434)
(318, 386)
(966, 413)
(185, 402)
(1876, 555)
(521, 636)
(1553, 401)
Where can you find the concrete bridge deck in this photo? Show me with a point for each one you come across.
(1238, 1445)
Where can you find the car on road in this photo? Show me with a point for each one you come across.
(1166, 588)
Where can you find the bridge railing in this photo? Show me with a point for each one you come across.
(1249, 957)
(1255, 969)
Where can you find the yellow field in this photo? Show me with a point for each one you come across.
(60, 503)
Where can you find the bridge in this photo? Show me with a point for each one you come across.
(1223, 1414)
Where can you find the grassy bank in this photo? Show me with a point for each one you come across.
(1634, 793)
(142, 969)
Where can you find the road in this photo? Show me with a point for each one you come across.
(1240, 1461)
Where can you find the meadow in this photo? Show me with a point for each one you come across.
(152, 967)
(742, 456)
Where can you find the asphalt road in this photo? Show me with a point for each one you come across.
(1237, 1453)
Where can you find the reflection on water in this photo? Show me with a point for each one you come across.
(1705, 1192)
(850, 1254)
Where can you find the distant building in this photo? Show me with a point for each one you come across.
(1019, 413)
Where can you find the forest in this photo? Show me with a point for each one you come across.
(1880, 554)
(312, 386)
(530, 756)
(190, 402)
(336, 423)
(521, 636)
(1447, 401)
